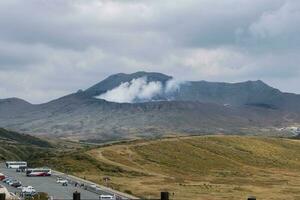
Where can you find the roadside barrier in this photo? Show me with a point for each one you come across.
(163, 196)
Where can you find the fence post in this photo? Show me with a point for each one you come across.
(164, 195)
(2, 196)
(76, 196)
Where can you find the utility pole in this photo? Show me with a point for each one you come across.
(2, 196)
(76, 196)
(164, 195)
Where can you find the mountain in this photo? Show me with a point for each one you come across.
(190, 107)
(254, 93)
(115, 80)
(12, 106)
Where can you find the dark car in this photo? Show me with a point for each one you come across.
(16, 184)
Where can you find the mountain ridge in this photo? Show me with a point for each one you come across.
(90, 91)
(195, 107)
(140, 74)
(116, 79)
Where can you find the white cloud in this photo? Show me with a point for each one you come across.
(172, 85)
(278, 23)
(63, 46)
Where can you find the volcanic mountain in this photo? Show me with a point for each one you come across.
(146, 104)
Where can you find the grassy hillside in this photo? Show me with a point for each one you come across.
(16, 146)
(207, 167)
(14, 137)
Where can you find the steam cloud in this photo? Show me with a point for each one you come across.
(139, 90)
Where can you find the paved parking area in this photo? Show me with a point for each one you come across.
(48, 185)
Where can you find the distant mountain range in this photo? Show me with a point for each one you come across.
(152, 105)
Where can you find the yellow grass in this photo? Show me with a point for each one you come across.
(207, 167)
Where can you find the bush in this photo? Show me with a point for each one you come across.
(128, 191)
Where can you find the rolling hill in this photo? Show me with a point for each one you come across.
(16, 146)
(189, 108)
(199, 167)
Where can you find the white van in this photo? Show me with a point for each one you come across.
(28, 190)
(106, 197)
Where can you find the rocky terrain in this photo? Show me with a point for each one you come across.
(152, 105)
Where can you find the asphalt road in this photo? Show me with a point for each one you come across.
(48, 185)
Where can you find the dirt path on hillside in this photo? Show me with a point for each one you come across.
(120, 149)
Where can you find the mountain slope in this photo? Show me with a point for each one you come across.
(13, 106)
(19, 146)
(83, 118)
(226, 93)
(14, 137)
(193, 108)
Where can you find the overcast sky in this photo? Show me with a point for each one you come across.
(49, 48)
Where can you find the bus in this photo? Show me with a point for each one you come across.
(38, 172)
(15, 164)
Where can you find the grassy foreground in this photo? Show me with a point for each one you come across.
(204, 167)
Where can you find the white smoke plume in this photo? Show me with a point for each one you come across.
(138, 90)
(172, 85)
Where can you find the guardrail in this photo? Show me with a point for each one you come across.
(91, 186)
(163, 196)
(94, 188)
(76, 196)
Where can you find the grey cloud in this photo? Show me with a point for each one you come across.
(56, 47)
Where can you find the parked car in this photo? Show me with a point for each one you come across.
(65, 183)
(106, 197)
(3, 180)
(61, 180)
(93, 186)
(28, 190)
(8, 179)
(2, 177)
(12, 181)
(16, 184)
